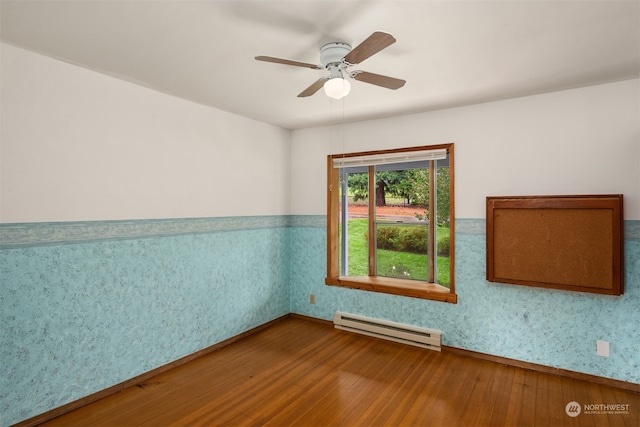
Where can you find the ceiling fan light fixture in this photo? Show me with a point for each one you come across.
(337, 88)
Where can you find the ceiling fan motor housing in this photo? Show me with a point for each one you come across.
(332, 53)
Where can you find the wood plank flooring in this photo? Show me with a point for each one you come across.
(304, 373)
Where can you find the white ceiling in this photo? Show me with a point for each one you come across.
(451, 52)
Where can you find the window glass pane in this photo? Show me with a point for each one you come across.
(443, 222)
(354, 223)
(402, 234)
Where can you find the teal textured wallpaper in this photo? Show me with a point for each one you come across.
(84, 309)
(89, 305)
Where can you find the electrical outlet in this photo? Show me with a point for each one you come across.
(312, 298)
(602, 348)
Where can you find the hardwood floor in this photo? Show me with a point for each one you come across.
(304, 373)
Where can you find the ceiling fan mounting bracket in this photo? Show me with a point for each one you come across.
(332, 54)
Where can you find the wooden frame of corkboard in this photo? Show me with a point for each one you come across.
(572, 243)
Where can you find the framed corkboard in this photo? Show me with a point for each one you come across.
(563, 242)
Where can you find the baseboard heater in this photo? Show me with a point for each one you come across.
(398, 332)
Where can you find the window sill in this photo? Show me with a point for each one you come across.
(408, 288)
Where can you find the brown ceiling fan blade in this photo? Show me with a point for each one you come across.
(378, 80)
(372, 45)
(313, 88)
(288, 62)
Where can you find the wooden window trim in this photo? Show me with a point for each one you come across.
(389, 285)
(394, 286)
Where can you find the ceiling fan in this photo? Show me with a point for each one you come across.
(336, 57)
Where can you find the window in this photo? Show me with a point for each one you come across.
(390, 222)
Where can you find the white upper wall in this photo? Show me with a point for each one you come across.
(580, 141)
(77, 145)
